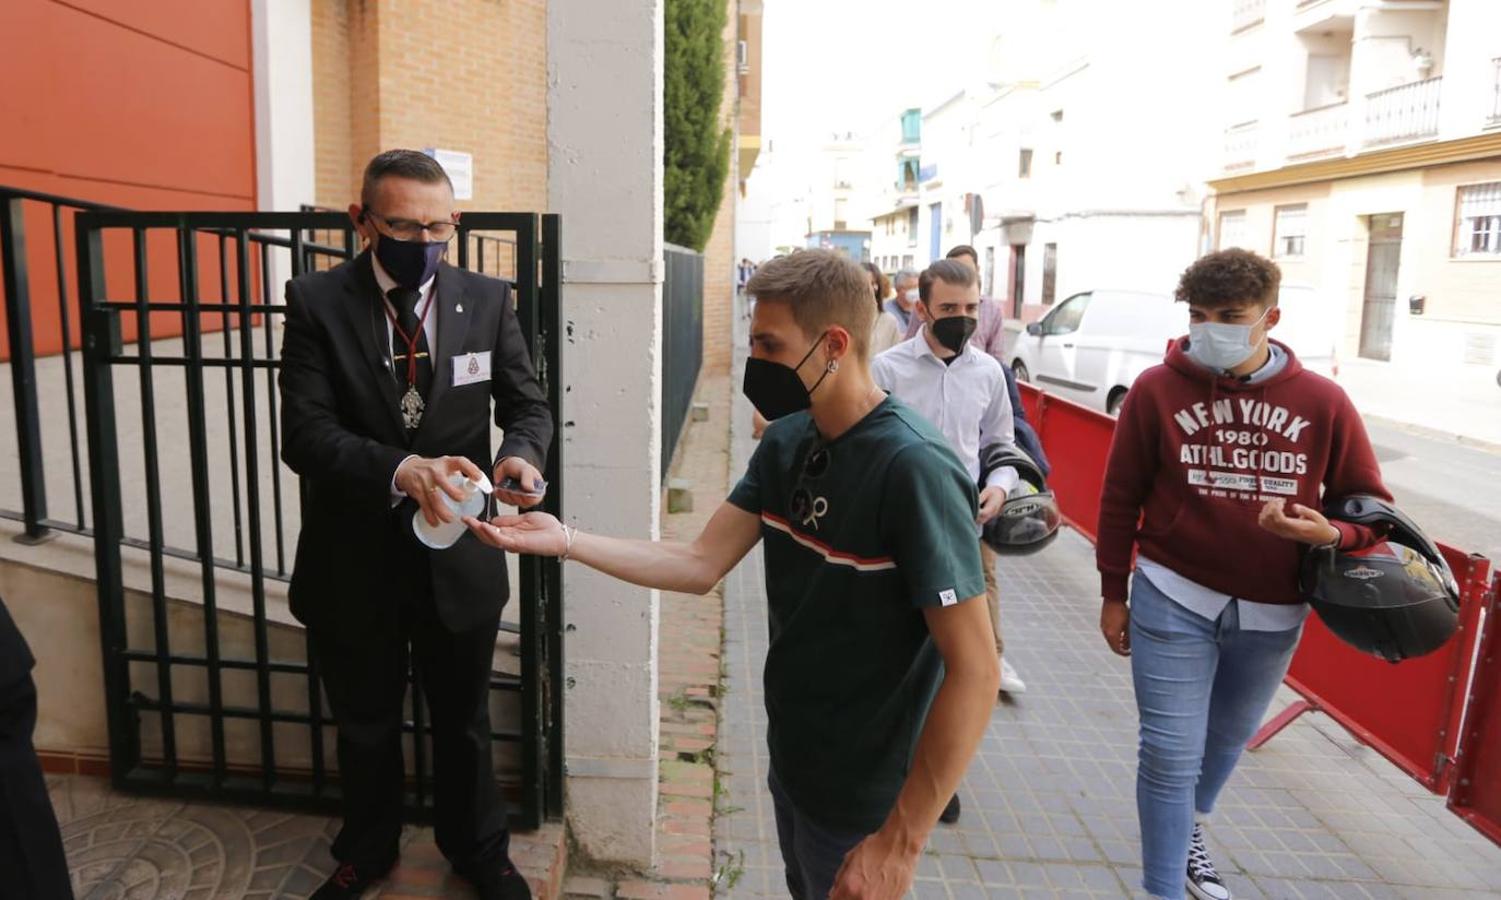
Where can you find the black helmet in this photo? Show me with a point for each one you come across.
(1028, 521)
(1396, 600)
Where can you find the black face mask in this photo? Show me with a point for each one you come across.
(409, 263)
(955, 331)
(775, 390)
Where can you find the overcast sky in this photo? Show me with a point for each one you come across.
(843, 65)
(848, 65)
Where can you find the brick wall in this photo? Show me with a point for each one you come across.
(331, 102)
(719, 254)
(394, 73)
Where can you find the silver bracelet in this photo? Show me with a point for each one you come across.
(568, 533)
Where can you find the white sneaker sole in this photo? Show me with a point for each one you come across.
(1200, 894)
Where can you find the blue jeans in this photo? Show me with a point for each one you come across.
(811, 852)
(1202, 688)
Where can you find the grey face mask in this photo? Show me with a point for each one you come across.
(1221, 347)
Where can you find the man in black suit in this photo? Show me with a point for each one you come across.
(389, 366)
(31, 849)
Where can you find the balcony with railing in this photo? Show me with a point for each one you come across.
(1318, 132)
(1495, 117)
(1246, 13)
(1240, 145)
(1407, 112)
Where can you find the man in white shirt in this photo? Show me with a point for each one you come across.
(962, 391)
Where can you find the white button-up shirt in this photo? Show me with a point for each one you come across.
(966, 401)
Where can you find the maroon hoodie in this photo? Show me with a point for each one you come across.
(1196, 456)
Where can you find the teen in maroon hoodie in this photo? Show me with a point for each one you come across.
(1220, 461)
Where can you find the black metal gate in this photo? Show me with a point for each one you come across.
(682, 342)
(211, 687)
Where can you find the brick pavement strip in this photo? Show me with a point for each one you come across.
(688, 680)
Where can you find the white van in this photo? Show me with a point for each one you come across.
(1090, 348)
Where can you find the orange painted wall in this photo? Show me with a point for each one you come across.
(147, 105)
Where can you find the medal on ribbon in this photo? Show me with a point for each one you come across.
(411, 408)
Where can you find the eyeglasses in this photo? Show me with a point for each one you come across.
(411, 229)
(806, 509)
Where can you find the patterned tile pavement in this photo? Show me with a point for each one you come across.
(131, 848)
(1049, 807)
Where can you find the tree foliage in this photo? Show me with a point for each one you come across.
(697, 155)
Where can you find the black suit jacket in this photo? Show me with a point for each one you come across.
(342, 433)
(15, 656)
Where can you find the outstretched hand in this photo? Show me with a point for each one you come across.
(536, 534)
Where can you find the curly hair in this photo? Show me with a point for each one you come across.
(1230, 276)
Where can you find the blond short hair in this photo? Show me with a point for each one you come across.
(823, 288)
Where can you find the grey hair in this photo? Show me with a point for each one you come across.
(908, 274)
(412, 164)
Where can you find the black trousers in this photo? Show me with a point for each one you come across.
(365, 678)
(32, 864)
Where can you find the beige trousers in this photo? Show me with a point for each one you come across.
(992, 595)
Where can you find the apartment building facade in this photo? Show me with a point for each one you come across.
(1362, 151)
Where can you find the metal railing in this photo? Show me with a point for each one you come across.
(182, 465)
(1318, 132)
(38, 298)
(1241, 144)
(1245, 13)
(682, 341)
(1495, 117)
(1407, 112)
(488, 254)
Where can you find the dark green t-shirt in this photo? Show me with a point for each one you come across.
(860, 534)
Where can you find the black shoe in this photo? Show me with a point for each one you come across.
(508, 884)
(349, 882)
(950, 813)
(1203, 881)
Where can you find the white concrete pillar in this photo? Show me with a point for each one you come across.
(282, 52)
(605, 143)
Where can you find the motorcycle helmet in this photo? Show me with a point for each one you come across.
(1029, 519)
(1396, 600)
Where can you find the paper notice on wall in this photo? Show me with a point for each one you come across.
(460, 168)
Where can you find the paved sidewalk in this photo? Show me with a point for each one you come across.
(136, 848)
(1463, 402)
(1049, 802)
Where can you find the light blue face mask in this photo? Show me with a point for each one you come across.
(1220, 347)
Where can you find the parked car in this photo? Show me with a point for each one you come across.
(1090, 348)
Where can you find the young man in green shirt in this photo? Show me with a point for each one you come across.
(881, 672)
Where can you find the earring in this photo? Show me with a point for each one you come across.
(833, 366)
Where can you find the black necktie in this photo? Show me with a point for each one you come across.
(409, 325)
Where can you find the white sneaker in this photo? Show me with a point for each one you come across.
(1011, 683)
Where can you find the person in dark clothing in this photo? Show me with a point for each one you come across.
(394, 366)
(32, 864)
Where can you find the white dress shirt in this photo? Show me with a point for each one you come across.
(967, 400)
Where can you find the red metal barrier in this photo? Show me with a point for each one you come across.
(1476, 794)
(1410, 713)
(1077, 440)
